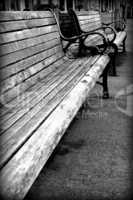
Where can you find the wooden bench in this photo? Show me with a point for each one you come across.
(41, 91)
(92, 20)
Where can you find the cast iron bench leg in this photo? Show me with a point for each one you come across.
(112, 70)
(105, 82)
(124, 45)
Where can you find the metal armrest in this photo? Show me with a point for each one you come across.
(86, 34)
(83, 37)
(104, 38)
(103, 28)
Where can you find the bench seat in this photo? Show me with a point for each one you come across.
(19, 121)
(41, 92)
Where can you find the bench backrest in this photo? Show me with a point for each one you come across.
(89, 20)
(29, 44)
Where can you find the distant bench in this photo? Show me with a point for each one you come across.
(78, 23)
(92, 20)
(41, 92)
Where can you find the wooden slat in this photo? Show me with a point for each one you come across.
(23, 15)
(94, 21)
(91, 26)
(27, 33)
(25, 24)
(18, 178)
(90, 12)
(88, 17)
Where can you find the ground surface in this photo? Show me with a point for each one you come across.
(93, 159)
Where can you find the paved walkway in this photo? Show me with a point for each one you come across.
(93, 160)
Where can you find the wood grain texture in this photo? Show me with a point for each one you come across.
(23, 15)
(28, 49)
(25, 24)
(27, 33)
(23, 44)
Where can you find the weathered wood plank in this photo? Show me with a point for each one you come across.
(17, 179)
(94, 21)
(25, 24)
(90, 12)
(88, 17)
(90, 28)
(23, 15)
(27, 33)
